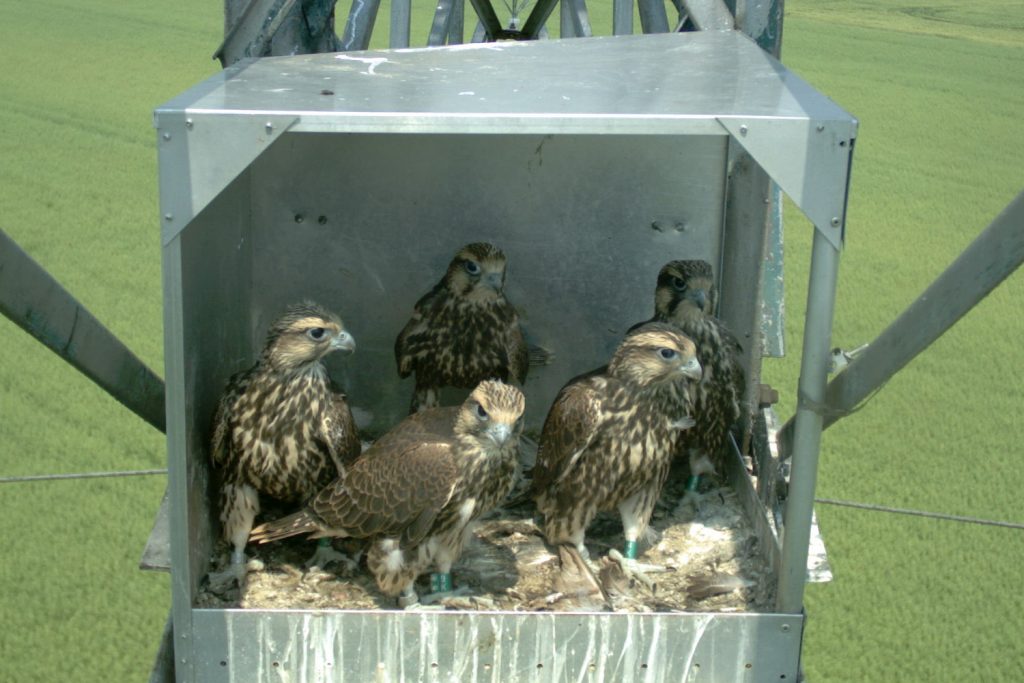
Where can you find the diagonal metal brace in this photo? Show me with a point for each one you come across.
(38, 304)
(992, 257)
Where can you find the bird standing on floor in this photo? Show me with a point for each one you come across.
(415, 491)
(685, 298)
(464, 330)
(609, 437)
(280, 428)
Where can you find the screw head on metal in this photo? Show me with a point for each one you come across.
(167, 136)
(743, 130)
(270, 127)
(820, 128)
(835, 221)
(168, 217)
(189, 124)
(785, 628)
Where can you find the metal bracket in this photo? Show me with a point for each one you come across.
(186, 144)
(810, 161)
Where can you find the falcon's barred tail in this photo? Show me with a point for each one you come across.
(292, 525)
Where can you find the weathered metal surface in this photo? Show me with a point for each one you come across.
(773, 283)
(257, 28)
(622, 17)
(33, 300)
(440, 27)
(653, 17)
(995, 254)
(807, 434)
(576, 18)
(359, 27)
(501, 647)
(709, 15)
(163, 666)
(401, 18)
(703, 83)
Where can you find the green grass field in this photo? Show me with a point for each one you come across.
(938, 91)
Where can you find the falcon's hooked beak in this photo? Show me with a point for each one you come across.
(699, 297)
(691, 369)
(494, 281)
(499, 432)
(343, 342)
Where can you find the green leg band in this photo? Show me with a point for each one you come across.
(693, 483)
(630, 553)
(441, 583)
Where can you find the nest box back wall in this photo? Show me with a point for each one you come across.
(367, 223)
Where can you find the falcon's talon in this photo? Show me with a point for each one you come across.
(432, 598)
(637, 571)
(232, 577)
(326, 555)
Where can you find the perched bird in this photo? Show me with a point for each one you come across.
(415, 491)
(281, 429)
(610, 435)
(685, 298)
(464, 330)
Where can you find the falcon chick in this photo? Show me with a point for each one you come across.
(464, 330)
(416, 490)
(280, 428)
(609, 437)
(685, 297)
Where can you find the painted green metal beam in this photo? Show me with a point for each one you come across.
(37, 303)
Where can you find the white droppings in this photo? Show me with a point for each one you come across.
(374, 62)
(467, 92)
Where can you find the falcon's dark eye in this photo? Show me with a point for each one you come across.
(678, 283)
(316, 333)
(472, 267)
(480, 412)
(668, 354)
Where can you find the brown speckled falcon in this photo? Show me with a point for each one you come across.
(464, 330)
(609, 437)
(416, 490)
(280, 428)
(685, 297)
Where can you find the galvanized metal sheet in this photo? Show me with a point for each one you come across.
(704, 83)
(251, 646)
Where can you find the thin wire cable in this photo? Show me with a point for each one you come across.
(80, 475)
(918, 513)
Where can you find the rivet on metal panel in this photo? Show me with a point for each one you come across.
(189, 124)
(785, 628)
(322, 220)
(170, 217)
(167, 136)
(743, 130)
(299, 218)
(820, 128)
(835, 221)
(269, 127)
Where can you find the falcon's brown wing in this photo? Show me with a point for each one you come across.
(341, 435)
(518, 353)
(570, 427)
(394, 489)
(411, 335)
(221, 444)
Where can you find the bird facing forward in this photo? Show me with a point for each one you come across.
(609, 437)
(416, 490)
(464, 330)
(685, 298)
(280, 428)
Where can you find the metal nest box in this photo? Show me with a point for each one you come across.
(352, 178)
